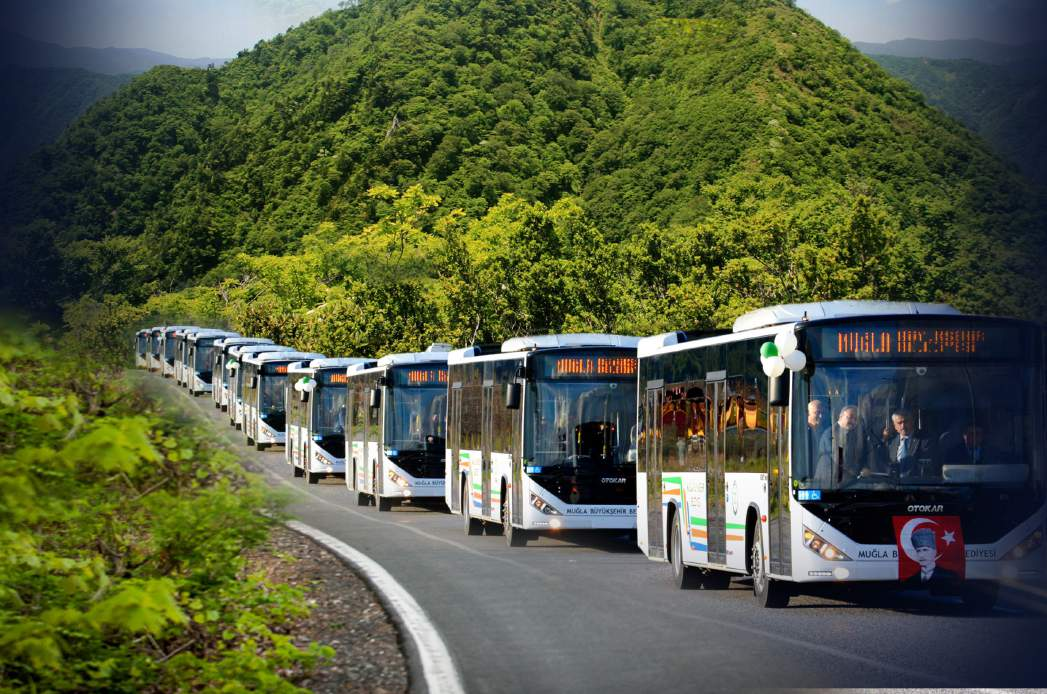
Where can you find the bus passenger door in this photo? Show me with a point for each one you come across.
(715, 494)
(518, 476)
(486, 434)
(653, 455)
(454, 431)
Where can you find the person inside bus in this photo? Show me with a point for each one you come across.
(973, 450)
(845, 452)
(907, 452)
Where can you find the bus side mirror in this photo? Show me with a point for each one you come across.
(376, 398)
(252, 382)
(512, 396)
(305, 396)
(778, 391)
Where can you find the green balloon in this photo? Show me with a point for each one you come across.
(768, 350)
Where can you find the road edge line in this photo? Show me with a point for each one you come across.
(439, 672)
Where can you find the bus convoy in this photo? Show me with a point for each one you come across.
(841, 441)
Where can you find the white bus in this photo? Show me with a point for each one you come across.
(142, 348)
(316, 397)
(264, 379)
(154, 356)
(397, 414)
(233, 364)
(220, 375)
(168, 348)
(541, 434)
(181, 352)
(197, 370)
(907, 446)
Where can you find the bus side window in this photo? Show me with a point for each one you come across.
(697, 406)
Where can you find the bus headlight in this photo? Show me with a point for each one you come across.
(1026, 546)
(397, 480)
(540, 504)
(817, 544)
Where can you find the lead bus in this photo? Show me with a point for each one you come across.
(265, 405)
(220, 374)
(397, 417)
(197, 372)
(316, 412)
(541, 434)
(234, 364)
(907, 447)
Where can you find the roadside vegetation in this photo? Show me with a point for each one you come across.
(122, 540)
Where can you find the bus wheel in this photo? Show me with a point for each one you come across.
(312, 477)
(250, 441)
(767, 591)
(979, 596)
(684, 577)
(385, 504)
(514, 537)
(472, 526)
(261, 446)
(298, 472)
(363, 499)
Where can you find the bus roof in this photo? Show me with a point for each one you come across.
(193, 337)
(300, 367)
(246, 350)
(234, 341)
(289, 356)
(827, 310)
(435, 353)
(337, 362)
(534, 342)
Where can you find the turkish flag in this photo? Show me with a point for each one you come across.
(930, 550)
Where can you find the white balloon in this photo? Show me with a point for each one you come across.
(774, 367)
(795, 361)
(785, 341)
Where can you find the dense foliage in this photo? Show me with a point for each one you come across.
(1002, 103)
(667, 165)
(121, 540)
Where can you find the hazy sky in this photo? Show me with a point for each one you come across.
(220, 28)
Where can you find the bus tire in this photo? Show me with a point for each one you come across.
(684, 577)
(363, 499)
(514, 537)
(979, 597)
(385, 504)
(298, 472)
(250, 441)
(261, 446)
(312, 477)
(711, 579)
(472, 525)
(767, 591)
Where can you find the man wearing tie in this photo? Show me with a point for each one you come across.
(906, 450)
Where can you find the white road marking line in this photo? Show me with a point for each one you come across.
(441, 674)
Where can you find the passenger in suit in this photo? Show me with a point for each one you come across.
(930, 575)
(846, 450)
(909, 452)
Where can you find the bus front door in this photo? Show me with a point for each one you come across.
(715, 499)
(653, 456)
(486, 434)
(454, 430)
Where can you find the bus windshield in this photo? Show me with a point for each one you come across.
(329, 412)
(415, 418)
(203, 355)
(580, 423)
(271, 400)
(886, 426)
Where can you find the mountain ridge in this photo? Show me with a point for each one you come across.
(22, 51)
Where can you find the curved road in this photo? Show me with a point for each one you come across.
(589, 612)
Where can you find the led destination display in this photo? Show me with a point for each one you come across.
(984, 340)
(420, 376)
(598, 366)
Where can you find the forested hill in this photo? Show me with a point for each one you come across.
(671, 163)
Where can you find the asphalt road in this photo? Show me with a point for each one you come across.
(589, 612)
